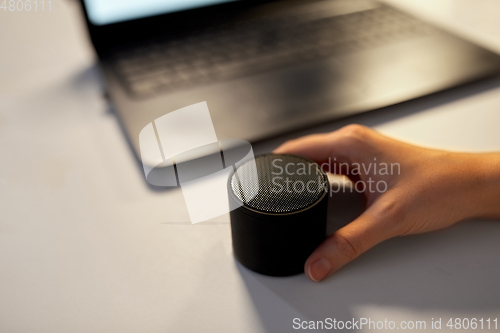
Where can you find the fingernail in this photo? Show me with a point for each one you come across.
(319, 269)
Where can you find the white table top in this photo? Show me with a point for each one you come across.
(86, 246)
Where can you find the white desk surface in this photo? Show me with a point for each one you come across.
(86, 246)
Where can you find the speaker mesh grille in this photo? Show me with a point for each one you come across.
(284, 184)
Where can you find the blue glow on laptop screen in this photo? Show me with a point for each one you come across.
(103, 12)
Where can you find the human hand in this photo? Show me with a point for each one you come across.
(427, 189)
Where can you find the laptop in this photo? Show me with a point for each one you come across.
(270, 67)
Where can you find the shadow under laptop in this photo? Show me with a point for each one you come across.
(407, 278)
(157, 173)
(84, 83)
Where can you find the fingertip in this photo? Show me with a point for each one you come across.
(318, 269)
(308, 274)
(278, 151)
(281, 149)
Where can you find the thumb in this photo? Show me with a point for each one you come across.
(347, 244)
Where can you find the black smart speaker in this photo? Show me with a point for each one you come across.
(279, 210)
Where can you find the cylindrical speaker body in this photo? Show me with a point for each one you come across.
(281, 212)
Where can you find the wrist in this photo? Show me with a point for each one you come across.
(482, 192)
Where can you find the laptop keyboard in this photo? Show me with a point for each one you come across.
(261, 45)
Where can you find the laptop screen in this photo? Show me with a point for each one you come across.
(101, 12)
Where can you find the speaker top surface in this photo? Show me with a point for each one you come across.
(278, 184)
